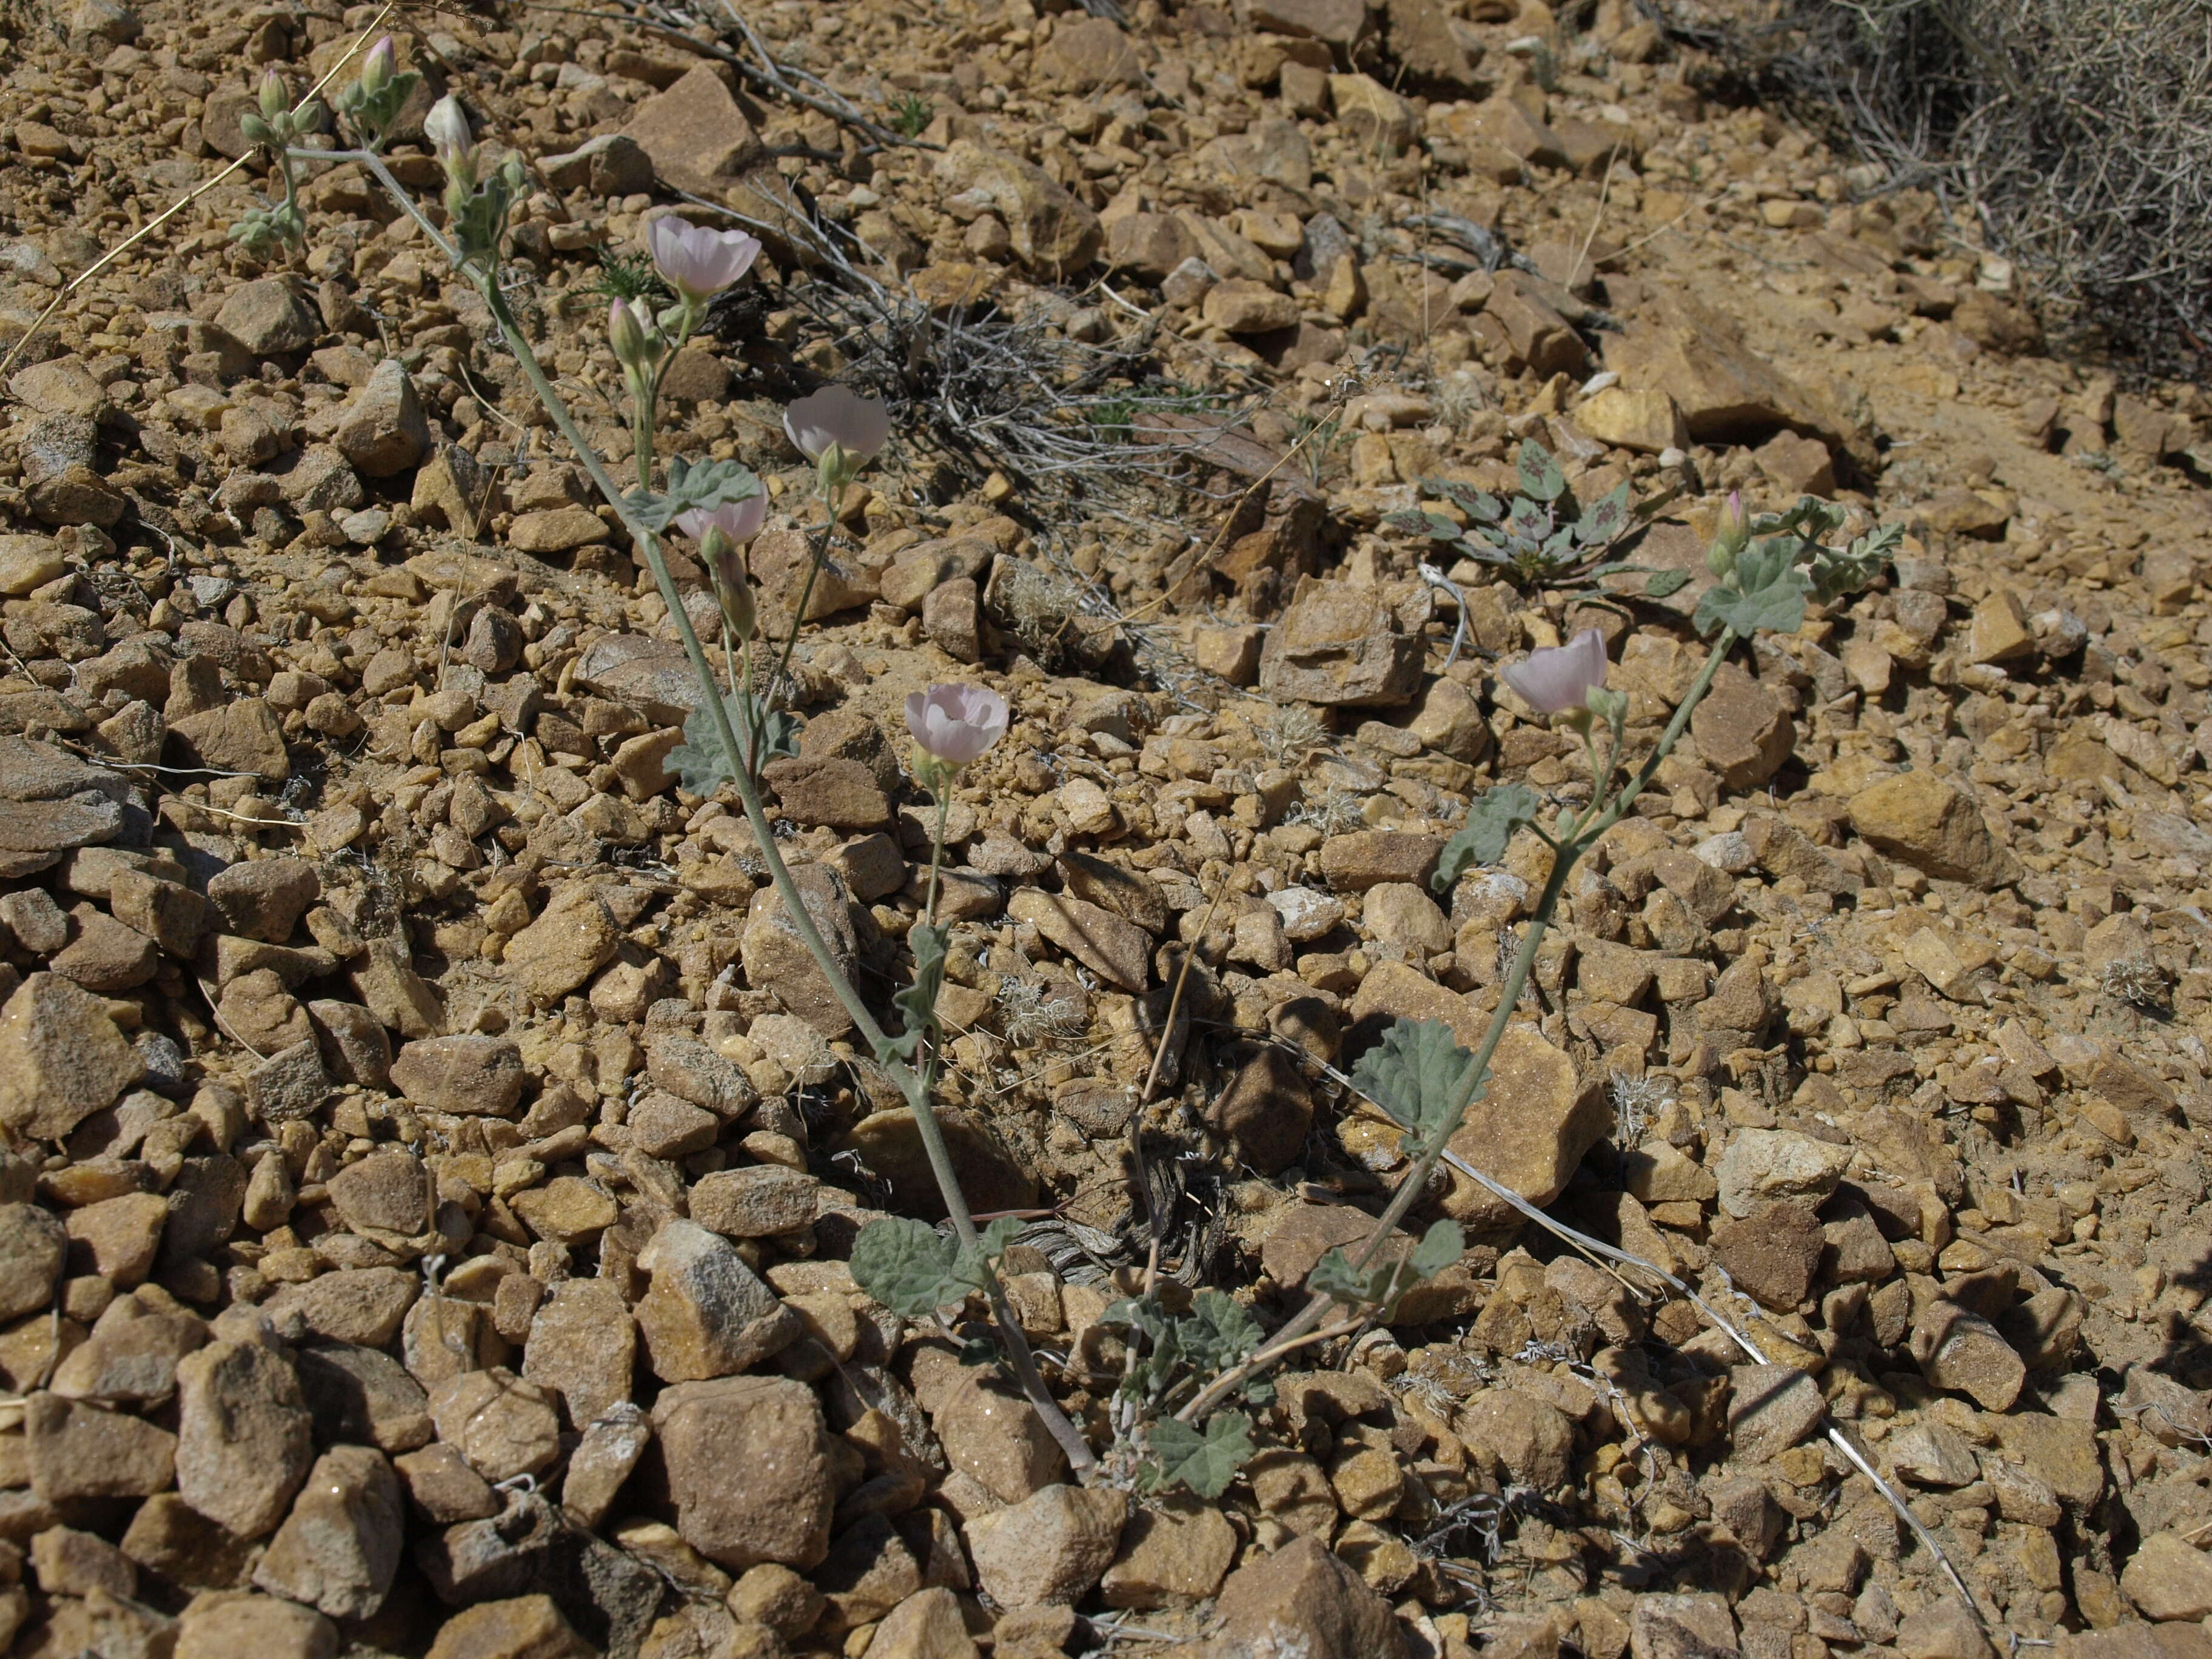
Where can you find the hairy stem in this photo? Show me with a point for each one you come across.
(1576, 838)
(486, 281)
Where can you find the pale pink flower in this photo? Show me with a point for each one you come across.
(860, 426)
(956, 723)
(697, 262)
(1558, 678)
(738, 520)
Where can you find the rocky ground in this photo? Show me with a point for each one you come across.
(430, 1161)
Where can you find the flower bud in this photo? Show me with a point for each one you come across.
(727, 567)
(272, 98)
(378, 66)
(447, 130)
(1731, 538)
(627, 333)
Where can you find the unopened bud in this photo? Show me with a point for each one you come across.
(447, 130)
(1733, 536)
(272, 96)
(378, 66)
(727, 567)
(626, 333)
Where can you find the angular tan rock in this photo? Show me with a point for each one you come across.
(62, 1058)
(1304, 1600)
(708, 1314)
(32, 1244)
(1177, 1552)
(1051, 1548)
(2168, 1578)
(1117, 949)
(995, 1437)
(573, 938)
(776, 959)
(1648, 423)
(1770, 1409)
(1053, 233)
(502, 1425)
(472, 1075)
(224, 1627)
(1960, 1350)
(1742, 732)
(582, 1344)
(1528, 1133)
(1935, 826)
(1340, 645)
(79, 1450)
(339, 1548)
(771, 1428)
(243, 1435)
(694, 132)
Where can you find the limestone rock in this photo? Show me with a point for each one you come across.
(385, 431)
(61, 1058)
(1725, 390)
(1529, 1438)
(244, 736)
(32, 1247)
(573, 938)
(1960, 1350)
(1528, 1133)
(1760, 1165)
(1648, 423)
(1267, 1111)
(1118, 951)
(502, 1425)
(2168, 1578)
(1177, 1552)
(1304, 1599)
(1770, 1409)
(269, 319)
(522, 1627)
(776, 959)
(1052, 233)
(708, 1314)
(1933, 825)
(842, 793)
(339, 1547)
(995, 1437)
(1742, 732)
(78, 1450)
(472, 1075)
(1051, 1548)
(1773, 1254)
(582, 1344)
(928, 1625)
(694, 133)
(771, 1428)
(1340, 645)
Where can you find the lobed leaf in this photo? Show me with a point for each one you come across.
(1491, 818)
(1205, 1463)
(1421, 1079)
(908, 1267)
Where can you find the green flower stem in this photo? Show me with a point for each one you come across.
(936, 846)
(486, 280)
(819, 550)
(1575, 838)
(374, 163)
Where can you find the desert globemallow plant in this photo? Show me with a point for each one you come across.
(1169, 1423)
